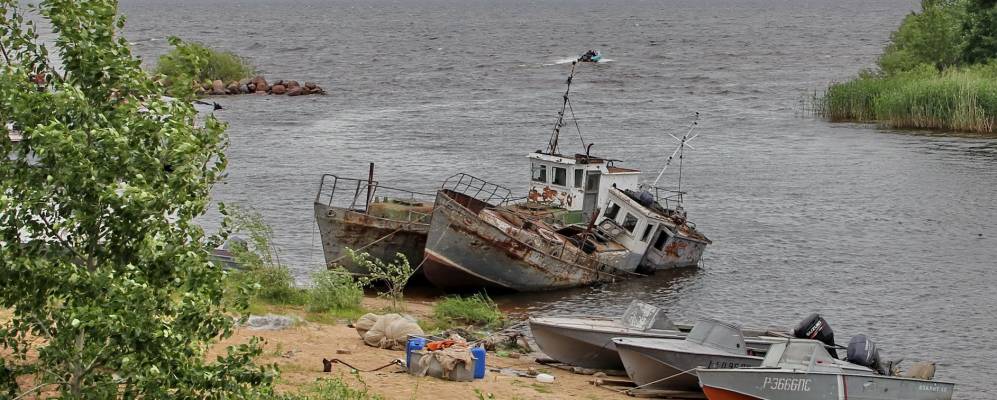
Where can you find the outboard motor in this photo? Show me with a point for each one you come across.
(863, 351)
(816, 328)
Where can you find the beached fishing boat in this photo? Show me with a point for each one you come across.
(802, 369)
(475, 242)
(607, 225)
(366, 216)
(670, 363)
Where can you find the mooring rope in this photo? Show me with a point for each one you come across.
(659, 380)
(376, 241)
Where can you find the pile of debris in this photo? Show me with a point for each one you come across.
(259, 85)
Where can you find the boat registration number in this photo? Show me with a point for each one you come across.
(787, 384)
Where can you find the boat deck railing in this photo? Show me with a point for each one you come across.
(358, 194)
(670, 199)
(479, 189)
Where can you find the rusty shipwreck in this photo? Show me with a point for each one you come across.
(585, 220)
(366, 216)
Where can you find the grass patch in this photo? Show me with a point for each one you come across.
(333, 290)
(334, 388)
(541, 388)
(957, 99)
(477, 310)
(266, 286)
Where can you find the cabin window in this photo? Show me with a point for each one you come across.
(630, 223)
(560, 176)
(662, 238)
(539, 173)
(647, 232)
(579, 173)
(612, 211)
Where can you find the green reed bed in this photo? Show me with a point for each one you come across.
(957, 99)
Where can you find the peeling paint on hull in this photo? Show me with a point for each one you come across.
(465, 252)
(342, 228)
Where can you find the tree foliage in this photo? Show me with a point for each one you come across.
(980, 27)
(934, 37)
(392, 275)
(105, 273)
(222, 65)
(945, 34)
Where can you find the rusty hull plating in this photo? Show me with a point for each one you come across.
(368, 217)
(473, 244)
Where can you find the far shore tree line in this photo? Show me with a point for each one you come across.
(939, 71)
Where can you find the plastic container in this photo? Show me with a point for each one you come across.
(545, 378)
(479, 362)
(414, 343)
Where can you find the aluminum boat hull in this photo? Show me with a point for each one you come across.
(587, 342)
(779, 384)
(666, 364)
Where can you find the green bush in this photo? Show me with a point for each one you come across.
(259, 258)
(478, 310)
(333, 290)
(216, 64)
(391, 275)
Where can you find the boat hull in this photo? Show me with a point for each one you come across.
(382, 238)
(768, 384)
(665, 368)
(678, 252)
(463, 252)
(587, 345)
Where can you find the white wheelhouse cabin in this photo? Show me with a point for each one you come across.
(578, 184)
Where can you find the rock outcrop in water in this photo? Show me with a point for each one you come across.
(259, 85)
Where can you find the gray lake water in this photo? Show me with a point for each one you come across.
(888, 233)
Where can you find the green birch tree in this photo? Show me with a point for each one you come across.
(105, 274)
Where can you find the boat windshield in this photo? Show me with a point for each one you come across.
(718, 335)
(798, 354)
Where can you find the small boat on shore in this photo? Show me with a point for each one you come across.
(588, 342)
(366, 216)
(670, 363)
(802, 369)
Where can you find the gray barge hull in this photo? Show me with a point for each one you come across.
(342, 228)
(464, 252)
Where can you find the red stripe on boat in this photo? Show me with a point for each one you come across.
(713, 393)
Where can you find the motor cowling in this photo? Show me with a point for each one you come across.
(863, 351)
(816, 328)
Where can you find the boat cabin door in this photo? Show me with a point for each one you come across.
(590, 201)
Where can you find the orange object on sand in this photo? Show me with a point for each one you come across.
(440, 344)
